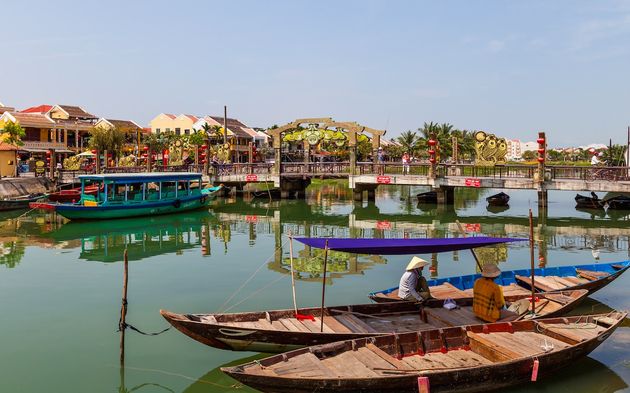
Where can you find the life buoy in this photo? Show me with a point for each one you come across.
(177, 203)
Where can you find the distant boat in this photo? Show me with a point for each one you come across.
(21, 202)
(427, 197)
(620, 202)
(588, 202)
(500, 199)
(135, 194)
(476, 358)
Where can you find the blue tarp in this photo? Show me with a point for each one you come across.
(404, 246)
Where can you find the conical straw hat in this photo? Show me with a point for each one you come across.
(416, 263)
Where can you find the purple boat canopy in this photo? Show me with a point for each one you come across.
(404, 246)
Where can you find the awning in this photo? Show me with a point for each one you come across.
(405, 246)
(29, 150)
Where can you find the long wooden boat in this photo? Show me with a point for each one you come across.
(427, 197)
(500, 199)
(135, 194)
(588, 202)
(21, 202)
(591, 277)
(72, 195)
(463, 359)
(282, 330)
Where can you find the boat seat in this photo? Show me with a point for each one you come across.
(137, 197)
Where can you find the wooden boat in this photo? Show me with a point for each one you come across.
(281, 330)
(464, 359)
(135, 194)
(620, 202)
(21, 202)
(72, 195)
(497, 209)
(212, 192)
(500, 199)
(273, 193)
(590, 277)
(427, 197)
(588, 202)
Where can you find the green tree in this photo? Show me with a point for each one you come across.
(110, 139)
(615, 155)
(408, 140)
(529, 155)
(12, 134)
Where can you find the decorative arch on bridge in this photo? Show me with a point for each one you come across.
(352, 129)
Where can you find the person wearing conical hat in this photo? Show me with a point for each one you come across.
(488, 300)
(413, 286)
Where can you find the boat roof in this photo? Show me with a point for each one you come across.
(143, 177)
(404, 246)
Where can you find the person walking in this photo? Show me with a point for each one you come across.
(405, 161)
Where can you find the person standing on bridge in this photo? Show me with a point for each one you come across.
(405, 161)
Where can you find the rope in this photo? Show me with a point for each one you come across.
(221, 308)
(124, 325)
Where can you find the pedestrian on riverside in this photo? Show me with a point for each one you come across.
(413, 286)
(405, 161)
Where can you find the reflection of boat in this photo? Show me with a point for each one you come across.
(282, 330)
(620, 202)
(20, 202)
(588, 202)
(136, 194)
(427, 197)
(500, 199)
(497, 209)
(594, 213)
(216, 379)
(591, 277)
(471, 359)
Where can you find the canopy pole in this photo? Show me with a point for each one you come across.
(292, 275)
(472, 250)
(531, 257)
(321, 326)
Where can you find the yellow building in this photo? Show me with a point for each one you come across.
(166, 122)
(132, 130)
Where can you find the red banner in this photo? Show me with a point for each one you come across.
(383, 225)
(472, 227)
(471, 182)
(251, 178)
(251, 218)
(383, 179)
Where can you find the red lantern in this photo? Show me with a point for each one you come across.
(204, 146)
(432, 152)
(93, 151)
(146, 148)
(541, 151)
(432, 160)
(432, 142)
(48, 153)
(540, 141)
(203, 161)
(541, 159)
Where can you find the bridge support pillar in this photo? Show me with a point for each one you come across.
(357, 192)
(445, 195)
(542, 199)
(371, 194)
(293, 188)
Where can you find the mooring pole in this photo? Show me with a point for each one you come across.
(531, 257)
(292, 275)
(123, 309)
(321, 326)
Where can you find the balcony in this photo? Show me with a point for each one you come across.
(40, 147)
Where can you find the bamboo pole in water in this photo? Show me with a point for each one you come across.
(321, 315)
(531, 257)
(292, 275)
(123, 309)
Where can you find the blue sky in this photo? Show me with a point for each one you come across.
(508, 67)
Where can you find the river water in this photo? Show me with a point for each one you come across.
(61, 282)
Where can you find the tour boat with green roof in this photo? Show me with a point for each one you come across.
(135, 194)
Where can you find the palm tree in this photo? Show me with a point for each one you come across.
(408, 140)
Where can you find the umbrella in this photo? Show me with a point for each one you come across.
(86, 154)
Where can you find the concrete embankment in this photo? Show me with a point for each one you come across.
(23, 186)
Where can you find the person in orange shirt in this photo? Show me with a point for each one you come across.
(488, 298)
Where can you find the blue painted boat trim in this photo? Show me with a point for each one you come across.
(127, 206)
(508, 277)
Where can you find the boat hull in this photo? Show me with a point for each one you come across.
(483, 377)
(79, 212)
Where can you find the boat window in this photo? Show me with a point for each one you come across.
(152, 191)
(183, 188)
(135, 192)
(116, 192)
(168, 189)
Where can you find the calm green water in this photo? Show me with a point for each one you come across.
(61, 283)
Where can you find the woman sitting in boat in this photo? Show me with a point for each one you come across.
(413, 286)
(488, 301)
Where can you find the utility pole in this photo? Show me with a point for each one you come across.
(225, 131)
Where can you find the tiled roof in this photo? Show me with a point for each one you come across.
(38, 109)
(74, 125)
(239, 129)
(76, 111)
(34, 120)
(172, 116)
(7, 147)
(123, 124)
(192, 117)
(6, 109)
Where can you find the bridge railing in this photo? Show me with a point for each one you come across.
(241, 169)
(316, 168)
(497, 171)
(614, 173)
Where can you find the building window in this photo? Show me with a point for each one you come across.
(187, 131)
(157, 130)
(168, 130)
(178, 131)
